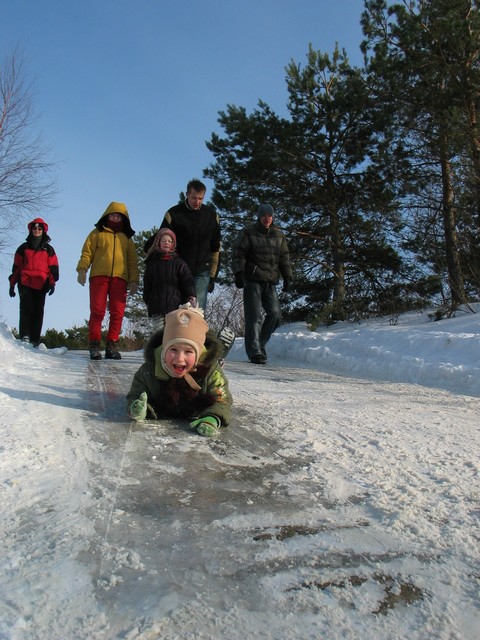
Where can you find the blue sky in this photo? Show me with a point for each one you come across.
(127, 92)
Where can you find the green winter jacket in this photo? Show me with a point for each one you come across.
(262, 254)
(174, 397)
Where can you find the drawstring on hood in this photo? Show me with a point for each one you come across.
(184, 325)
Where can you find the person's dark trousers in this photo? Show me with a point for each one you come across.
(259, 297)
(202, 281)
(32, 305)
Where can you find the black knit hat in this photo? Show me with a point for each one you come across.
(265, 210)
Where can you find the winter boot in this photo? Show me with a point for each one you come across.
(95, 351)
(111, 352)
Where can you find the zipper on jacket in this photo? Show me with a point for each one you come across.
(113, 256)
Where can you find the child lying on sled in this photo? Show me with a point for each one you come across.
(181, 376)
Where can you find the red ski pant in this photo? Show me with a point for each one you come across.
(103, 288)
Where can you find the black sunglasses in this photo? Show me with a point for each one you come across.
(37, 226)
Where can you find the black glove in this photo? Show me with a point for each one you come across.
(11, 292)
(240, 280)
(51, 291)
(211, 285)
(286, 285)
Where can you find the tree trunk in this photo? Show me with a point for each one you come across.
(474, 136)
(338, 254)
(455, 278)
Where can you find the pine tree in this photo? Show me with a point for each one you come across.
(424, 69)
(315, 168)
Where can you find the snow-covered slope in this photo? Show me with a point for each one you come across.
(337, 507)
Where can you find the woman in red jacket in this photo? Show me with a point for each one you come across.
(35, 272)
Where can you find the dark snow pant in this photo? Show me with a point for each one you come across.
(32, 305)
(260, 297)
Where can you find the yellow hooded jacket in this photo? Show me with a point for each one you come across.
(109, 253)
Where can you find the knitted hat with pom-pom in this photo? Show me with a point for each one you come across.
(185, 325)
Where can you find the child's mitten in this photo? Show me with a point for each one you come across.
(138, 408)
(207, 426)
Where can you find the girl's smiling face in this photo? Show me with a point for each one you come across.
(180, 359)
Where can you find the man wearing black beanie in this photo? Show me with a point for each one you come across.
(260, 258)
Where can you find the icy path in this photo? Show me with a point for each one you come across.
(325, 510)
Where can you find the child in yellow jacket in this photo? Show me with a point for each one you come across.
(110, 252)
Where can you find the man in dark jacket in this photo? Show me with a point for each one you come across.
(260, 257)
(197, 228)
